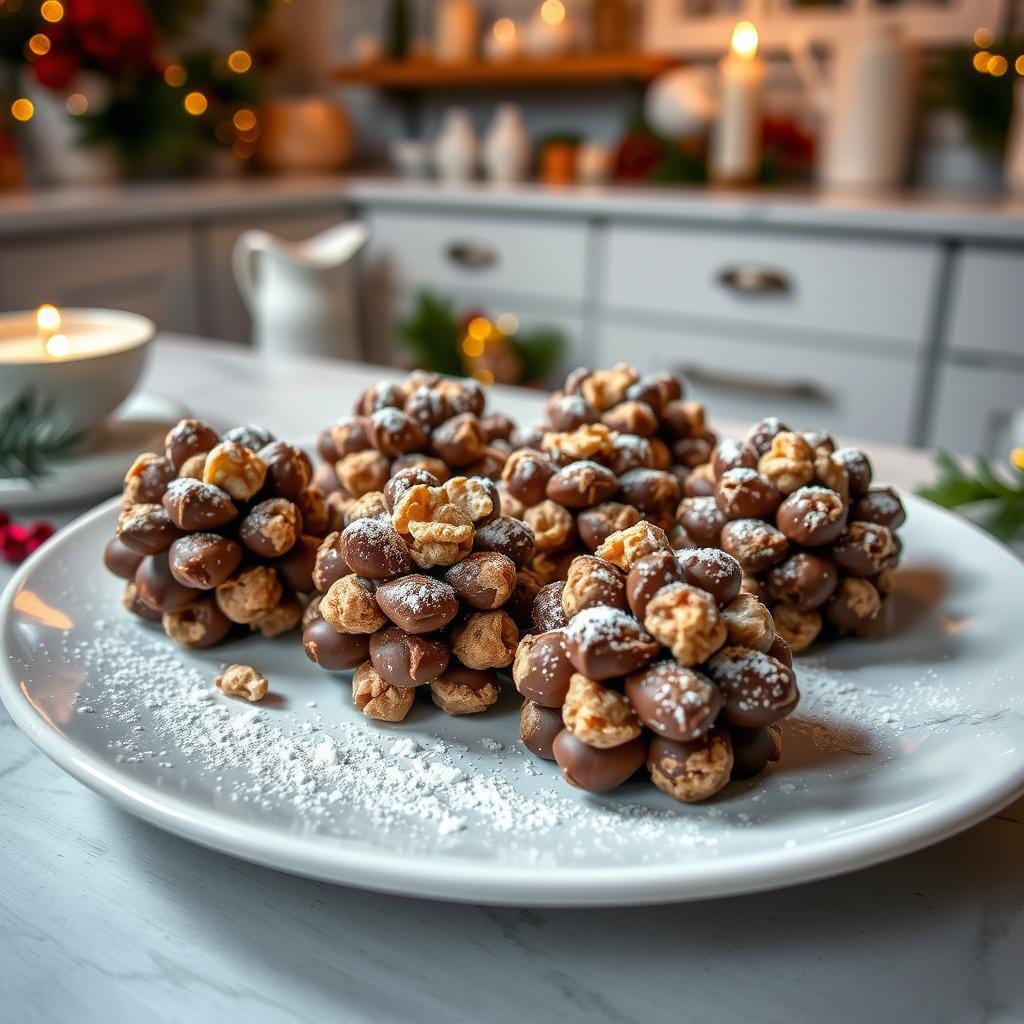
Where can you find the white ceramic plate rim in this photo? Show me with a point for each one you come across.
(346, 863)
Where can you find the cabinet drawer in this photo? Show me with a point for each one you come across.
(874, 289)
(148, 271)
(988, 302)
(522, 256)
(979, 411)
(848, 395)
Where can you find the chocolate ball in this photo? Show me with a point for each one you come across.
(547, 607)
(597, 770)
(567, 412)
(271, 528)
(203, 560)
(404, 659)
(404, 480)
(597, 524)
(146, 529)
(812, 516)
(374, 548)
(393, 432)
(459, 441)
(858, 470)
(754, 749)
(330, 565)
(781, 651)
(652, 491)
(542, 670)
(863, 549)
(855, 604)
(673, 701)
(158, 589)
(694, 770)
(698, 482)
(131, 603)
(581, 484)
(712, 570)
(334, 651)
(296, 567)
(289, 471)
(187, 438)
(606, 642)
(507, 536)
(880, 505)
(202, 624)
(250, 436)
(418, 603)
(120, 559)
(730, 454)
(758, 689)
(763, 433)
(804, 579)
(647, 576)
(484, 579)
(702, 520)
(756, 545)
(744, 494)
(538, 727)
(195, 505)
(526, 475)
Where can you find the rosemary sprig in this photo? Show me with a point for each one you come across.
(1000, 493)
(32, 434)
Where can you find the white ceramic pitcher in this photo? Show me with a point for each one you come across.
(868, 104)
(302, 295)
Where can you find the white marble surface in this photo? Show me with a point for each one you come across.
(30, 213)
(104, 918)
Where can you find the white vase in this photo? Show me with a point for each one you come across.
(455, 152)
(57, 154)
(506, 150)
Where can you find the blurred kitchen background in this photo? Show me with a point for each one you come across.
(811, 209)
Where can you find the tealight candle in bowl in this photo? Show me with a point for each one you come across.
(85, 362)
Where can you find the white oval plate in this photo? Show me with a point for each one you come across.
(898, 742)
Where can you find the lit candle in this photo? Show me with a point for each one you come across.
(736, 141)
(50, 335)
(83, 361)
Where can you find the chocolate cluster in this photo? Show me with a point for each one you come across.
(422, 587)
(653, 657)
(816, 541)
(218, 533)
(426, 421)
(616, 449)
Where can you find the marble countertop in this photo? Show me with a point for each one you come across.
(106, 919)
(31, 213)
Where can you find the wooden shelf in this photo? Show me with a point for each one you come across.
(579, 69)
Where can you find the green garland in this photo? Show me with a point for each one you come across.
(999, 496)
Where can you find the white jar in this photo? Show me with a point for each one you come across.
(506, 150)
(455, 152)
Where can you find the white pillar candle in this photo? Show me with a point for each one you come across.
(458, 31)
(736, 139)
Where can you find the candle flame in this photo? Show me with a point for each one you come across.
(552, 12)
(744, 39)
(48, 318)
(58, 346)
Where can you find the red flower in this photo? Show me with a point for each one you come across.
(56, 69)
(17, 541)
(114, 33)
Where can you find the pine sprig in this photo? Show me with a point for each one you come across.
(32, 434)
(1001, 493)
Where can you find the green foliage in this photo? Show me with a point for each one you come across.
(433, 331)
(985, 101)
(1001, 495)
(431, 334)
(32, 433)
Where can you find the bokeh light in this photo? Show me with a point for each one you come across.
(195, 103)
(22, 109)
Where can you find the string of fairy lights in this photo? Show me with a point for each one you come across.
(241, 133)
(993, 64)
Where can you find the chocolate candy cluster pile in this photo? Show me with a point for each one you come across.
(425, 422)
(617, 448)
(653, 656)
(422, 587)
(218, 532)
(816, 542)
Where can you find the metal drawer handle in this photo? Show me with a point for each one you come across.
(472, 255)
(804, 390)
(751, 279)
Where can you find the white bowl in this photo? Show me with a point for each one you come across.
(83, 387)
